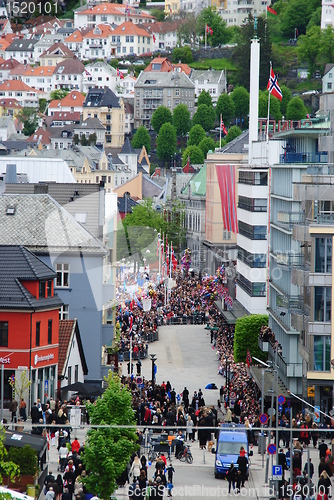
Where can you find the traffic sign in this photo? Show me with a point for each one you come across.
(280, 407)
(277, 472)
(139, 380)
(288, 403)
(141, 386)
(263, 418)
(271, 411)
(311, 391)
(232, 395)
(271, 449)
(281, 399)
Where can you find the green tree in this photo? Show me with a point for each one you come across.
(275, 109)
(7, 467)
(58, 94)
(158, 14)
(181, 119)
(92, 139)
(42, 105)
(204, 116)
(225, 107)
(114, 63)
(160, 116)
(309, 48)
(76, 139)
(287, 96)
(241, 53)
(233, 133)
(29, 119)
(166, 142)
(296, 109)
(246, 336)
(211, 17)
(206, 145)
(142, 138)
(83, 140)
(204, 98)
(195, 154)
(296, 14)
(109, 449)
(327, 44)
(240, 98)
(315, 19)
(196, 135)
(182, 54)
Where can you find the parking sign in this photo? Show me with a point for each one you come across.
(277, 472)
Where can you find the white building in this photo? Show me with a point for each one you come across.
(45, 43)
(327, 14)
(69, 74)
(210, 80)
(131, 39)
(109, 13)
(125, 87)
(97, 43)
(24, 94)
(100, 74)
(237, 11)
(40, 78)
(164, 35)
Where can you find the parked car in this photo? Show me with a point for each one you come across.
(139, 62)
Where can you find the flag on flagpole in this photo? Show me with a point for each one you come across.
(174, 261)
(273, 86)
(271, 11)
(154, 39)
(120, 74)
(222, 126)
(167, 253)
(208, 30)
(248, 359)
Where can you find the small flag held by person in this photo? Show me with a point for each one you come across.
(273, 86)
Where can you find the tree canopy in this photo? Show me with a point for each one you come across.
(240, 98)
(194, 153)
(58, 94)
(296, 109)
(160, 116)
(182, 54)
(108, 450)
(309, 47)
(196, 135)
(296, 14)
(225, 107)
(142, 138)
(211, 17)
(206, 145)
(204, 116)
(287, 96)
(166, 142)
(233, 133)
(275, 109)
(204, 98)
(246, 336)
(28, 117)
(181, 119)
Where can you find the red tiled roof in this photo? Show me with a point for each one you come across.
(129, 28)
(9, 103)
(40, 134)
(65, 332)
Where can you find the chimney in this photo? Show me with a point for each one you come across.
(11, 175)
(41, 189)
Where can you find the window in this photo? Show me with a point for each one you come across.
(41, 289)
(69, 375)
(127, 39)
(63, 312)
(177, 92)
(253, 205)
(97, 179)
(253, 232)
(329, 85)
(132, 39)
(322, 303)
(38, 333)
(169, 92)
(50, 331)
(253, 178)
(252, 289)
(252, 259)
(63, 271)
(323, 255)
(49, 288)
(322, 353)
(4, 333)
(76, 373)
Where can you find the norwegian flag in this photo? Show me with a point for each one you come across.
(158, 245)
(154, 39)
(167, 253)
(222, 126)
(248, 359)
(120, 74)
(208, 30)
(174, 261)
(87, 73)
(273, 86)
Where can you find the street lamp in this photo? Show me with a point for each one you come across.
(153, 360)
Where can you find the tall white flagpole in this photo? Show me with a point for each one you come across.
(206, 34)
(170, 260)
(267, 138)
(220, 131)
(159, 250)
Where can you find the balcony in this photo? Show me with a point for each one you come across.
(325, 218)
(285, 370)
(290, 260)
(299, 321)
(145, 117)
(321, 157)
(300, 277)
(289, 302)
(263, 345)
(286, 220)
(320, 169)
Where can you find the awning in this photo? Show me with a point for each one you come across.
(256, 372)
(20, 439)
(232, 315)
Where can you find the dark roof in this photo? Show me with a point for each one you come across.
(20, 439)
(70, 67)
(238, 145)
(15, 145)
(127, 148)
(67, 329)
(18, 264)
(129, 204)
(101, 97)
(22, 45)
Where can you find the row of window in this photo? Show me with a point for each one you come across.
(253, 204)
(253, 178)
(4, 333)
(253, 232)
(252, 289)
(258, 260)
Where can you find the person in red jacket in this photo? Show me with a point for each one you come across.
(75, 445)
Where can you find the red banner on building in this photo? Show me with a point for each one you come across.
(226, 175)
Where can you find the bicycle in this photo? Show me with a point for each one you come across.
(186, 455)
(153, 455)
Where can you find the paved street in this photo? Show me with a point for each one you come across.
(185, 358)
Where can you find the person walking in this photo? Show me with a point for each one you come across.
(242, 468)
(232, 476)
(135, 468)
(322, 449)
(190, 425)
(13, 409)
(23, 410)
